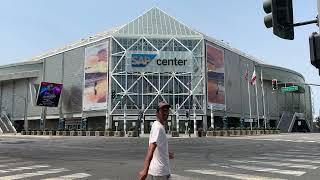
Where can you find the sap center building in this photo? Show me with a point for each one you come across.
(113, 78)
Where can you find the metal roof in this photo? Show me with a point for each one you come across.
(156, 22)
(82, 42)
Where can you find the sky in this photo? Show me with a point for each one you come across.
(29, 28)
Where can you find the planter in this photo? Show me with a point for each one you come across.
(81, 133)
(174, 133)
(51, 133)
(248, 132)
(230, 132)
(243, 132)
(119, 133)
(59, 133)
(253, 132)
(268, 132)
(39, 132)
(217, 133)
(46, 133)
(108, 133)
(132, 133)
(224, 133)
(73, 133)
(23, 133)
(65, 133)
(210, 133)
(236, 132)
(28, 132)
(90, 133)
(99, 133)
(277, 131)
(200, 133)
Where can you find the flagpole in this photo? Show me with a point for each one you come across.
(257, 102)
(264, 104)
(249, 100)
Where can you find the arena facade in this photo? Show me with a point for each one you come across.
(115, 77)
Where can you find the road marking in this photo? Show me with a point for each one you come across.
(270, 170)
(38, 173)
(231, 175)
(23, 168)
(302, 153)
(287, 159)
(178, 177)
(292, 155)
(15, 163)
(9, 160)
(71, 176)
(280, 164)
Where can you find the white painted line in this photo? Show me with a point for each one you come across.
(178, 177)
(231, 175)
(292, 155)
(71, 176)
(288, 159)
(279, 164)
(9, 160)
(270, 170)
(302, 153)
(38, 173)
(15, 163)
(23, 168)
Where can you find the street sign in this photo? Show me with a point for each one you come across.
(289, 88)
(248, 120)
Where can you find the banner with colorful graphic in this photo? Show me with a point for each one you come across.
(216, 71)
(95, 91)
(49, 94)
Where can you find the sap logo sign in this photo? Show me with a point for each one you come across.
(141, 60)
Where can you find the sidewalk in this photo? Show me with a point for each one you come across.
(18, 135)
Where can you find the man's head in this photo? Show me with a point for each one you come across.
(163, 111)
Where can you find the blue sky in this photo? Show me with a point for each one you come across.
(29, 28)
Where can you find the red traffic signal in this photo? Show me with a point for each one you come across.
(274, 84)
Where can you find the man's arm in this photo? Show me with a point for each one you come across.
(144, 172)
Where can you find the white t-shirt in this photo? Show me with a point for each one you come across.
(159, 165)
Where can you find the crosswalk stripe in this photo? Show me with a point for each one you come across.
(9, 160)
(38, 173)
(23, 168)
(269, 170)
(179, 177)
(302, 153)
(279, 164)
(292, 155)
(15, 163)
(71, 176)
(288, 159)
(231, 175)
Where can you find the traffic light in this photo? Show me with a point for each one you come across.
(274, 84)
(113, 94)
(280, 17)
(314, 42)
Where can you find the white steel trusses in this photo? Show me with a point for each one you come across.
(143, 90)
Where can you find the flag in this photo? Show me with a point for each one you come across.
(254, 78)
(246, 75)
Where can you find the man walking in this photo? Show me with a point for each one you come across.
(156, 163)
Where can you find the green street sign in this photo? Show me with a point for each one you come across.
(289, 88)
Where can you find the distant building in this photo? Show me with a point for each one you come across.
(113, 76)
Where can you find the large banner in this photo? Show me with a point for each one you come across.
(163, 61)
(216, 88)
(49, 94)
(95, 91)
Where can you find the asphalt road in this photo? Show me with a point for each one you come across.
(285, 156)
